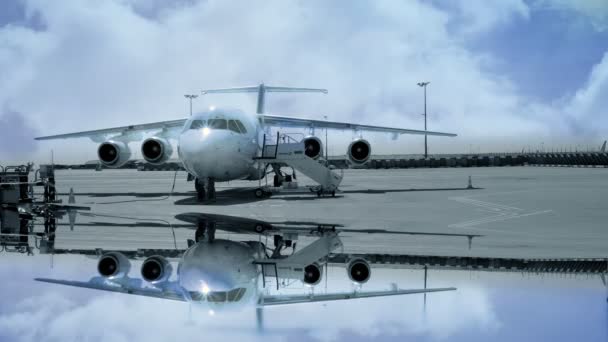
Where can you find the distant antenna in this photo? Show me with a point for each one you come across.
(603, 148)
(262, 89)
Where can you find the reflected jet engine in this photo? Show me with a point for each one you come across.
(113, 265)
(312, 274)
(156, 269)
(359, 271)
(114, 153)
(359, 151)
(156, 150)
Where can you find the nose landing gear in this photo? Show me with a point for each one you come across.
(205, 189)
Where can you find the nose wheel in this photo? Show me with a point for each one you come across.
(205, 189)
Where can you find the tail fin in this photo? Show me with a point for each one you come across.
(603, 148)
(262, 90)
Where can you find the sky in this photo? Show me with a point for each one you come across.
(505, 75)
(487, 306)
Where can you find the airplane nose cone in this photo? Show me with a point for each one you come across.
(210, 267)
(204, 152)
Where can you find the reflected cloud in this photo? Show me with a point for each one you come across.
(486, 305)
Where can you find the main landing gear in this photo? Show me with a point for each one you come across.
(205, 189)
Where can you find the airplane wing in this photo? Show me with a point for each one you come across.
(297, 299)
(288, 121)
(99, 135)
(105, 285)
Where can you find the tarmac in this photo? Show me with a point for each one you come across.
(521, 212)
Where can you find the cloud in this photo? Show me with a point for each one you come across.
(16, 135)
(70, 314)
(589, 106)
(482, 17)
(595, 11)
(122, 62)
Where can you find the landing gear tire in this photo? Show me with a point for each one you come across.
(259, 193)
(319, 193)
(205, 190)
(201, 195)
(277, 181)
(333, 193)
(259, 228)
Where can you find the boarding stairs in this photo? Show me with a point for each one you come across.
(287, 150)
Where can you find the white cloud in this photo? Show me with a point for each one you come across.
(69, 314)
(101, 64)
(478, 16)
(589, 106)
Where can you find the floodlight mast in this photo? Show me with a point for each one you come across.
(190, 97)
(423, 85)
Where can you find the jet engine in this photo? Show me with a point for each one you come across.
(313, 147)
(359, 271)
(312, 274)
(156, 150)
(114, 153)
(113, 265)
(359, 151)
(156, 269)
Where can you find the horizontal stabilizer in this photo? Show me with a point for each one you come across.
(262, 89)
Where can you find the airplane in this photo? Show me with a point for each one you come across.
(220, 145)
(222, 275)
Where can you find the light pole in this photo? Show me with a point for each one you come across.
(326, 147)
(190, 97)
(423, 85)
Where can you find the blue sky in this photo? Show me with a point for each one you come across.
(548, 55)
(504, 75)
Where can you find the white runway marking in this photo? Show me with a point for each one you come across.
(502, 212)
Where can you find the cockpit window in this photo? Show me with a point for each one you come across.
(197, 296)
(241, 126)
(196, 124)
(236, 294)
(217, 123)
(233, 127)
(216, 296)
(219, 296)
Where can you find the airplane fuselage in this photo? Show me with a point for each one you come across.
(220, 144)
(220, 275)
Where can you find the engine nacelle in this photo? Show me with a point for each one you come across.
(312, 274)
(313, 147)
(359, 151)
(114, 153)
(113, 265)
(156, 150)
(359, 271)
(156, 269)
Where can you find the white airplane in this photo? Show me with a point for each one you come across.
(224, 144)
(222, 275)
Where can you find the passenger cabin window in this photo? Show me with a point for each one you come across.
(217, 123)
(196, 124)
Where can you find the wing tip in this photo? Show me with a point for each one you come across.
(44, 280)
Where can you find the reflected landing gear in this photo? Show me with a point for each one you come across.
(205, 230)
(205, 189)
